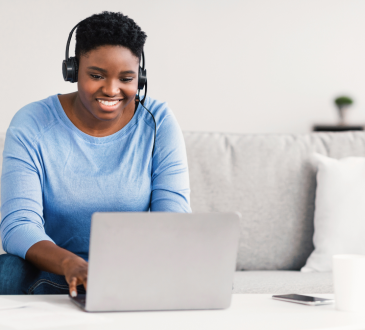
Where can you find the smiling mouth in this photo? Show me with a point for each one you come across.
(108, 103)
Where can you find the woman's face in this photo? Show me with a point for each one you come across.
(108, 81)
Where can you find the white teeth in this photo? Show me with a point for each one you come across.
(108, 103)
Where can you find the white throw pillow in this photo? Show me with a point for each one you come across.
(339, 217)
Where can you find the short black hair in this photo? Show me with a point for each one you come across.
(109, 28)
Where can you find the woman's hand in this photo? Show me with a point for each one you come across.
(47, 256)
(75, 271)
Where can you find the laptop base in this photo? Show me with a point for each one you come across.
(79, 300)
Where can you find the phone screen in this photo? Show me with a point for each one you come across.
(299, 297)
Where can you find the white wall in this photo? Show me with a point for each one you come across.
(250, 66)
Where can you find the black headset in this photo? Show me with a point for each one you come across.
(70, 69)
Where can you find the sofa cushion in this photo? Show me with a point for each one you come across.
(339, 224)
(282, 282)
(270, 180)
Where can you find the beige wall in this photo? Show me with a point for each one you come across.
(251, 66)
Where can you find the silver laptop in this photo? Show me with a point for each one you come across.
(160, 261)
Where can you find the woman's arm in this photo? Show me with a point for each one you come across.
(170, 176)
(49, 257)
(22, 225)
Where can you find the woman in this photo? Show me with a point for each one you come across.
(71, 155)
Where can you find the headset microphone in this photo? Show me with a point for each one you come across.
(70, 70)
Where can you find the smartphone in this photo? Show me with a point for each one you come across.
(306, 300)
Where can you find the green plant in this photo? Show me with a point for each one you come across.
(343, 102)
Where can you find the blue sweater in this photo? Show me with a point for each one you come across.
(55, 177)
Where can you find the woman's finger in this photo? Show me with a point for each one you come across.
(72, 287)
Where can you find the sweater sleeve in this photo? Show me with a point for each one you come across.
(22, 223)
(170, 177)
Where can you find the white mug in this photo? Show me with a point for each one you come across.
(349, 282)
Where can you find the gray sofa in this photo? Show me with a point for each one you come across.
(270, 180)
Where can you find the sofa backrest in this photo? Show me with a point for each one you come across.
(271, 181)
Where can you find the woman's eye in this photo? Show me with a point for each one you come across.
(95, 76)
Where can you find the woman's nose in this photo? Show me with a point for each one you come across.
(111, 88)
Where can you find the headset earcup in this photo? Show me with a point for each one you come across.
(70, 69)
(142, 78)
(76, 71)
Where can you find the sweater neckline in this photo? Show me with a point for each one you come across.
(89, 138)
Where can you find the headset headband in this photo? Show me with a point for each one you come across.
(143, 60)
(69, 39)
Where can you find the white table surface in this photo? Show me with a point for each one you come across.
(247, 311)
